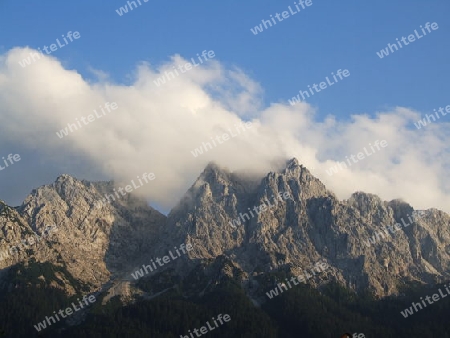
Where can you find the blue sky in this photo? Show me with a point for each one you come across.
(301, 50)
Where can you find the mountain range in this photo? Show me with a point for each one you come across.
(247, 234)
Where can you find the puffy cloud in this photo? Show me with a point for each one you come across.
(156, 128)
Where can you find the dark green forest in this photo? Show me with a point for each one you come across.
(299, 312)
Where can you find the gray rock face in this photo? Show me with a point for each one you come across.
(311, 225)
(91, 242)
(285, 219)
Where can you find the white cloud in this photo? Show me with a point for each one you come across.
(155, 128)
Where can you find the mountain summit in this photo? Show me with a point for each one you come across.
(282, 220)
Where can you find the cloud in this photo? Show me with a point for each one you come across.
(155, 129)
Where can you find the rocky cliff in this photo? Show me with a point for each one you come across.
(284, 220)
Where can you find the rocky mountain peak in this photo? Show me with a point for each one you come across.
(65, 177)
(213, 167)
(369, 243)
(312, 224)
(213, 175)
(292, 163)
(2, 205)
